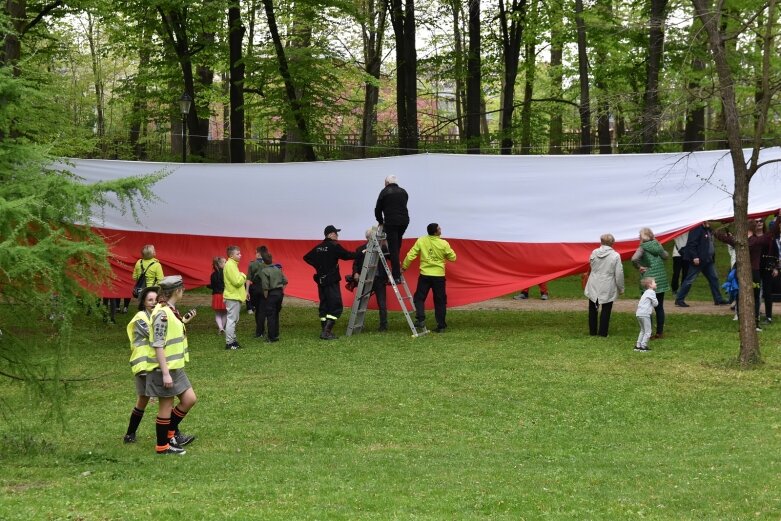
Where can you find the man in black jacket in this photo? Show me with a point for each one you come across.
(700, 253)
(391, 213)
(324, 258)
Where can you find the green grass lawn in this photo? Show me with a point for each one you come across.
(509, 415)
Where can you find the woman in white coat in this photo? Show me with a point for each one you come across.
(605, 284)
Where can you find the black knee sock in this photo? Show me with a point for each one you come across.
(177, 415)
(161, 426)
(135, 418)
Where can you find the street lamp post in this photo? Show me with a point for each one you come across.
(184, 105)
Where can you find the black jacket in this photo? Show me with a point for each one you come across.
(391, 206)
(699, 245)
(217, 284)
(324, 258)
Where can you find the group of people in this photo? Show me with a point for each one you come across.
(695, 254)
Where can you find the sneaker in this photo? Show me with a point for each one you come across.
(759, 328)
(544, 296)
(232, 346)
(130, 438)
(173, 450)
(681, 304)
(251, 312)
(521, 296)
(420, 324)
(641, 349)
(124, 309)
(658, 336)
(735, 317)
(769, 320)
(720, 303)
(440, 329)
(180, 440)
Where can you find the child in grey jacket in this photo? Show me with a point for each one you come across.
(644, 310)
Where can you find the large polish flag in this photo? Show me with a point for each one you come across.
(513, 221)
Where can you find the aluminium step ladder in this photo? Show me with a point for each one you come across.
(375, 259)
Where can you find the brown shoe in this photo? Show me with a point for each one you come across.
(657, 336)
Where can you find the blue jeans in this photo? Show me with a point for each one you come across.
(709, 270)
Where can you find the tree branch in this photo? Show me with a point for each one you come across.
(45, 11)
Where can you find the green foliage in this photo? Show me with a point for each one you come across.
(46, 254)
(510, 415)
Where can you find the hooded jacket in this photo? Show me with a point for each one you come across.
(651, 255)
(606, 280)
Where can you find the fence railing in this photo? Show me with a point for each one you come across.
(164, 147)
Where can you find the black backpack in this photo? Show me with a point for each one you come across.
(141, 282)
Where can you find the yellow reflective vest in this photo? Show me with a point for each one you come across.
(141, 353)
(175, 342)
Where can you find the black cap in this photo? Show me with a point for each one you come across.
(331, 229)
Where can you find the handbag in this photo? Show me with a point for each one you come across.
(141, 282)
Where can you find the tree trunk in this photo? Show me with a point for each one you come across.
(290, 90)
(97, 75)
(459, 68)
(530, 67)
(235, 41)
(749, 342)
(372, 51)
(651, 111)
(694, 131)
(585, 101)
(16, 10)
(473, 80)
(511, 24)
(402, 15)
(556, 75)
(138, 113)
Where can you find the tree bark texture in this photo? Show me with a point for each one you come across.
(402, 13)
(556, 75)
(511, 25)
(651, 109)
(236, 81)
(583, 73)
(473, 80)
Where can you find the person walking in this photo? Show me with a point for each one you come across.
(324, 258)
(434, 252)
(391, 213)
(235, 294)
(605, 283)
(649, 260)
(166, 377)
(138, 332)
(701, 255)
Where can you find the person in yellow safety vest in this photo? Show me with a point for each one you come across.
(433, 251)
(140, 355)
(165, 375)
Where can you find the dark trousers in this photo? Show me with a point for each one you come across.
(709, 270)
(394, 234)
(273, 307)
(437, 285)
(680, 270)
(594, 318)
(330, 301)
(257, 301)
(756, 278)
(380, 290)
(767, 292)
(659, 314)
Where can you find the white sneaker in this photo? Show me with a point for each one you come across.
(735, 317)
(521, 296)
(544, 296)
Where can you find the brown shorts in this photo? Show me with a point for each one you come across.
(154, 383)
(141, 384)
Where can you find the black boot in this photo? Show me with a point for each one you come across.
(327, 333)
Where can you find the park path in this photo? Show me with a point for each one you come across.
(623, 305)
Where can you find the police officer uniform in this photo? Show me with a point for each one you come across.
(324, 258)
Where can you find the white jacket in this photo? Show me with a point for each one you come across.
(606, 280)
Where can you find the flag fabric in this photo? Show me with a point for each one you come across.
(513, 221)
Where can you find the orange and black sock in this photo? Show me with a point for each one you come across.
(135, 418)
(161, 426)
(177, 415)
